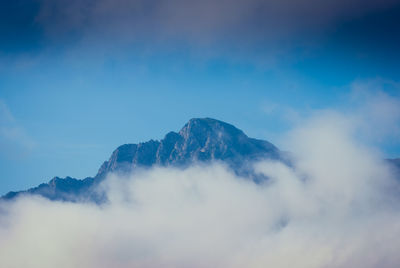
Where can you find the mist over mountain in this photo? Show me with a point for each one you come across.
(187, 201)
(201, 140)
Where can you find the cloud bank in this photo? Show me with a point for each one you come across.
(198, 20)
(338, 207)
(238, 24)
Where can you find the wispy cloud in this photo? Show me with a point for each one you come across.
(378, 102)
(371, 108)
(198, 19)
(239, 24)
(14, 141)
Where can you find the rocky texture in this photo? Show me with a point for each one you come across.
(200, 140)
(63, 189)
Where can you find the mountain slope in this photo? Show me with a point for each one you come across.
(395, 163)
(200, 140)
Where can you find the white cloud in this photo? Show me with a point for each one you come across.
(369, 108)
(378, 112)
(338, 208)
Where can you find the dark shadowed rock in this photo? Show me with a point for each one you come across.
(63, 189)
(395, 163)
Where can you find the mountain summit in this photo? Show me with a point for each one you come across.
(200, 140)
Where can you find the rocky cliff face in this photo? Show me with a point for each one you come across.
(200, 140)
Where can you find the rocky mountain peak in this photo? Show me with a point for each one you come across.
(208, 127)
(200, 140)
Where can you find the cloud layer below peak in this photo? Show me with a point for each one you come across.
(339, 207)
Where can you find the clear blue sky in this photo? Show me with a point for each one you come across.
(76, 81)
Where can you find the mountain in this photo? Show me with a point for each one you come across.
(395, 163)
(200, 140)
(63, 189)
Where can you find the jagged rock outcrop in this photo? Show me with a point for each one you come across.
(200, 140)
(203, 139)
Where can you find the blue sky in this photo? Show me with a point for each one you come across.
(78, 80)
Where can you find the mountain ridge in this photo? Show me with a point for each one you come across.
(199, 140)
(202, 139)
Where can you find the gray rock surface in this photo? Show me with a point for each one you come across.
(200, 140)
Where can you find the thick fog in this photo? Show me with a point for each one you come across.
(337, 205)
